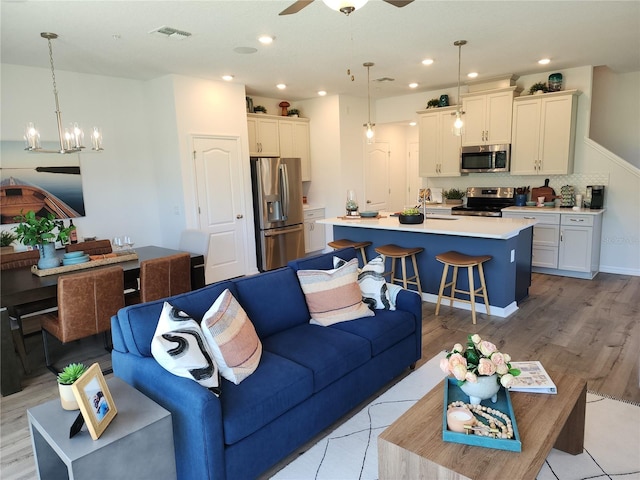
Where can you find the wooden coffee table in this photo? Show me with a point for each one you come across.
(412, 447)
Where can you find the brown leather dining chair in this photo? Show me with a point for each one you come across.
(86, 303)
(165, 276)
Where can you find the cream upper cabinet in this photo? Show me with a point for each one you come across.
(263, 135)
(487, 117)
(544, 133)
(439, 147)
(294, 143)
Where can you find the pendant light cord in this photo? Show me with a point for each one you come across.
(53, 75)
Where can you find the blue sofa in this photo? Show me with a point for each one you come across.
(309, 376)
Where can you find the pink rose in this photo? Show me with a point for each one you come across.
(497, 358)
(502, 369)
(506, 380)
(444, 366)
(459, 371)
(487, 348)
(486, 367)
(457, 359)
(471, 377)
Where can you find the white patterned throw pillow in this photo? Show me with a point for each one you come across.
(232, 338)
(376, 292)
(179, 346)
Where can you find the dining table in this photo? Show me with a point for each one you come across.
(21, 287)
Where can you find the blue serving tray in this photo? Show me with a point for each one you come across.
(453, 393)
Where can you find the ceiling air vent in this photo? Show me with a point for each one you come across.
(384, 79)
(170, 32)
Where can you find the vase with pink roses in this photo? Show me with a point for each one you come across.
(479, 358)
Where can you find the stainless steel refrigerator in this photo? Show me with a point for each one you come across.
(277, 210)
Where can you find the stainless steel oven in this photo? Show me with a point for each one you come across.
(485, 158)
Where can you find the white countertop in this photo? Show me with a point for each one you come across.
(480, 227)
(579, 211)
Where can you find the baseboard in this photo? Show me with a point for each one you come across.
(620, 271)
(502, 312)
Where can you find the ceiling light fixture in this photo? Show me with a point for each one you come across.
(544, 61)
(281, 86)
(70, 138)
(413, 85)
(227, 78)
(322, 93)
(345, 6)
(266, 39)
(427, 61)
(472, 74)
(458, 124)
(369, 126)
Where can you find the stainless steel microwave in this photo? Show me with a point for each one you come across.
(485, 158)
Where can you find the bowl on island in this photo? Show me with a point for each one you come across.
(413, 219)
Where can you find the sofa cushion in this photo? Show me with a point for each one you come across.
(138, 322)
(333, 295)
(232, 338)
(329, 353)
(180, 347)
(386, 329)
(273, 300)
(373, 286)
(277, 385)
(322, 261)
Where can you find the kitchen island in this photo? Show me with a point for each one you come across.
(507, 240)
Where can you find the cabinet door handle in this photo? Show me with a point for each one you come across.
(239, 216)
(576, 219)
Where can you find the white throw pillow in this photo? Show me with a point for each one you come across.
(232, 338)
(373, 286)
(179, 346)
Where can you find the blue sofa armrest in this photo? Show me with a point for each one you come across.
(199, 445)
(411, 302)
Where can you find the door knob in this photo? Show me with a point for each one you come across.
(239, 216)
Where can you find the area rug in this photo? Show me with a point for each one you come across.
(612, 438)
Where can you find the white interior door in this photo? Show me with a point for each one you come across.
(376, 177)
(218, 173)
(413, 175)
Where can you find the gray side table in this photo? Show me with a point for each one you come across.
(138, 443)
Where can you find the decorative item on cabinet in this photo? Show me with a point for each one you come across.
(555, 82)
(294, 112)
(538, 88)
(259, 109)
(433, 103)
(249, 101)
(284, 105)
(444, 101)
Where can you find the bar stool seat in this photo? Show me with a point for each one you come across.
(344, 243)
(460, 260)
(394, 252)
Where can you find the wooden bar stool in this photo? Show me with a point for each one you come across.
(344, 243)
(394, 252)
(460, 260)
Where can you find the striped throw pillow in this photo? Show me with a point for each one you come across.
(232, 338)
(333, 296)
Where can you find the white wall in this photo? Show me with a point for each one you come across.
(120, 193)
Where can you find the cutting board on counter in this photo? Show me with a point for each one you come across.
(545, 191)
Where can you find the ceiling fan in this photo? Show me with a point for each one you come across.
(344, 6)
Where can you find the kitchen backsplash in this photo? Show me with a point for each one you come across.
(578, 180)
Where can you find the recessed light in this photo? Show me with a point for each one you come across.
(544, 61)
(413, 85)
(266, 39)
(412, 124)
(427, 61)
(281, 86)
(322, 93)
(227, 78)
(472, 74)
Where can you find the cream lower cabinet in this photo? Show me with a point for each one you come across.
(565, 244)
(294, 143)
(314, 233)
(439, 148)
(543, 134)
(487, 117)
(263, 135)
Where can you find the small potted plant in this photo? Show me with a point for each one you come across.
(294, 112)
(6, 239)
(66, 378)
(41, 233)
(453, 196)
(433, 103)
(538, 88)
(259, 109)
(411, 216)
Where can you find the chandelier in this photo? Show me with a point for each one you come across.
(458, 124)
(369, 126)
(71, 138)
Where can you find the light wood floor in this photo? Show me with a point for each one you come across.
(588, 328)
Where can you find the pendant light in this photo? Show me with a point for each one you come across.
(458, 124)
(369, 126)
(70, 138)
(345, 6)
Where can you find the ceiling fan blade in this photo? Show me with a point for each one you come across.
(295, 7)
(399, 3)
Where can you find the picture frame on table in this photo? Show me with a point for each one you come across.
(95, 401)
